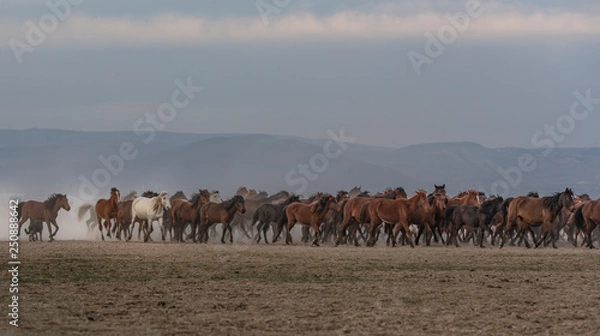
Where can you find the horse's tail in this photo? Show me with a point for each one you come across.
(363, 214)
(83, 210)
(449, 212)
(255, 217)
(578, 219)
(20, 210)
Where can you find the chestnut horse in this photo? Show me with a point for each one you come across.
(212, 213)
(46, 211)
(526, 211)
(309, 214)
(470, 197)
(398, 212)
(107, 210)
(184, 211)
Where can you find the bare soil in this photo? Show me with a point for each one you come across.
(118, 288)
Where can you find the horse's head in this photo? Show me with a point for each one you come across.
(342, 195)
(239, 203)
(215, 197)
(204, 196)
(63, 202)
(332, 204)
(164, 200)
(439, 190)
(439, 201)
(568, 199)
(420, 197)
(114, 192)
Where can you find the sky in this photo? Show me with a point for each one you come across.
(301, 68)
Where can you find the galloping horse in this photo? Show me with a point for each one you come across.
(397, 211)
(184, 211)
(46, 211)
(150, 209)
(526, 211)
(270, 213)
(212, 213)
(107, 210)
(587, 217)
(309, 214)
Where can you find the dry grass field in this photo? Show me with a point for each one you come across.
(118, 288)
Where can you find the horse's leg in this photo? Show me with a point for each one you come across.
(231, 233)
(288, 230)
(100, 227)
(317, 234)
(56, 227)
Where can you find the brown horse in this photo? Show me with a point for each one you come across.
(46, 211)
(309, 214)
(184, 211)
(398, 212)
(107, 210)
(212, 213)
(470, 197)
(526, 211)
(587, 218)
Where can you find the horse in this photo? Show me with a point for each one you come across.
(587, 218)
(525, 211)
(309, 214)
(91, 221)
(149, 210)
(35, 228)
(472, 217)
(270, 213)
(352, 214)
(107, 210)
(428, 219)
(334, 218)
(390, 193)
(212, 213)
(469, 197)
(184, 211)
(397, 211)
(123, 214)
(46, 211)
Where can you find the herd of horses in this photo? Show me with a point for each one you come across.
(349, 217)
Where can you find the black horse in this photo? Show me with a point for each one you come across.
(269, 213)
(473, 217)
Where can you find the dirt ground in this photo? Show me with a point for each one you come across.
(118, 288)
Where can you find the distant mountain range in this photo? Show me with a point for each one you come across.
(37, 162)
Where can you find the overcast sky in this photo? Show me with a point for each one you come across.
(306, 68)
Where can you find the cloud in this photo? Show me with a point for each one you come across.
(178, 29)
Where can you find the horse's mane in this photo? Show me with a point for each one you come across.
(196, 197)
(489, 205)
(51, 201)
(552, 202)
(149, 194)
(533, 194)
(321, 204)
(157, 202)
(129, 197)
(231, 202)
(364, 194)
(340, 194)
(315, 196)
(290, 200)
(178, 195)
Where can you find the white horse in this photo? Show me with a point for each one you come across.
(149, 210)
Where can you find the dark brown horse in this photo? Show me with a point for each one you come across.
(46, 211)
(526, 211)
(397, 212)
(184, 211)
(587, 218)
(212, 213)
(107, 210)
(309, 214)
